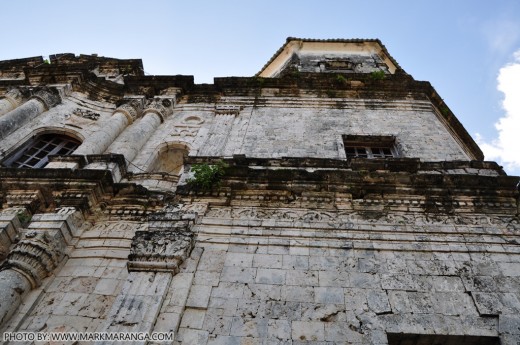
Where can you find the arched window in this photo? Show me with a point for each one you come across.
(35, 153)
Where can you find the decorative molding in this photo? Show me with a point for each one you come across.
(28, 199)
(228, 109)
(87, 114)
(185, 132)
(72, 198)
(107, 228)
(193, 121)
(13, 210)
(163, 250)
(347, 219)
(196, 208)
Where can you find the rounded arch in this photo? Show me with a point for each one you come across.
(169, 158)
(49, 130)
(34, 150)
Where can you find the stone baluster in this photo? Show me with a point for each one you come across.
(11, 100)
(40, 102)
(134, 137)
(35, 257)
(122, 117)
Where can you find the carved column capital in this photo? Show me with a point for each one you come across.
(162, 250)
(15, 97)
(132, 110)
(163, 107)
(48, 98)
(36, 255)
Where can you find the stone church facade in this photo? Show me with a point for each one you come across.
(330, 199)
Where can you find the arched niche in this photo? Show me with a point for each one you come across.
(170, 159)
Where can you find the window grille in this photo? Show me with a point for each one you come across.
(370, 146)
(35, 154)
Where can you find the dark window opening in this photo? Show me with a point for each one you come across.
(370, 146)
(35, 153)
(336, 65)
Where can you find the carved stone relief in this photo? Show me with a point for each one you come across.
(184, 132)
(106, 228)
(36, 255)
(131, 110)
(161, 107)
(512, 222)
(87, 114)
(161, 250)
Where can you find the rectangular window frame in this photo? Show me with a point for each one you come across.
(370, 146)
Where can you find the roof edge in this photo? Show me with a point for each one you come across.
(331, 40)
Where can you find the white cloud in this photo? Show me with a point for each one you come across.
(501, 34)
(506, 147)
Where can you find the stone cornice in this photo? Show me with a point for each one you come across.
(433, 186)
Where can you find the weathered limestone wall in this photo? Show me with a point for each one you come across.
(286, 251)
(283, 276)
(75, 115)
(283, 131)
(298, 275)
(78, 297)
(278, 127)
(302, 128)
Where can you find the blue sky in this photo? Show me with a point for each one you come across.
(460, 46)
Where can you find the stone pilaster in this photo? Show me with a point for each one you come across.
(35, 257)
(12, 99)
(219, 132)
(14, 287)
(155, 257)
(134, 137)
(40, 102)
(123, 116)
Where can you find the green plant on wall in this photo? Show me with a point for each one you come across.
(331, 93)
(341, 79)
(378, 75)
(23, 217)
(207, 176)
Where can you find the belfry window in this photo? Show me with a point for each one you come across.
(371, 146)
(36, 152)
